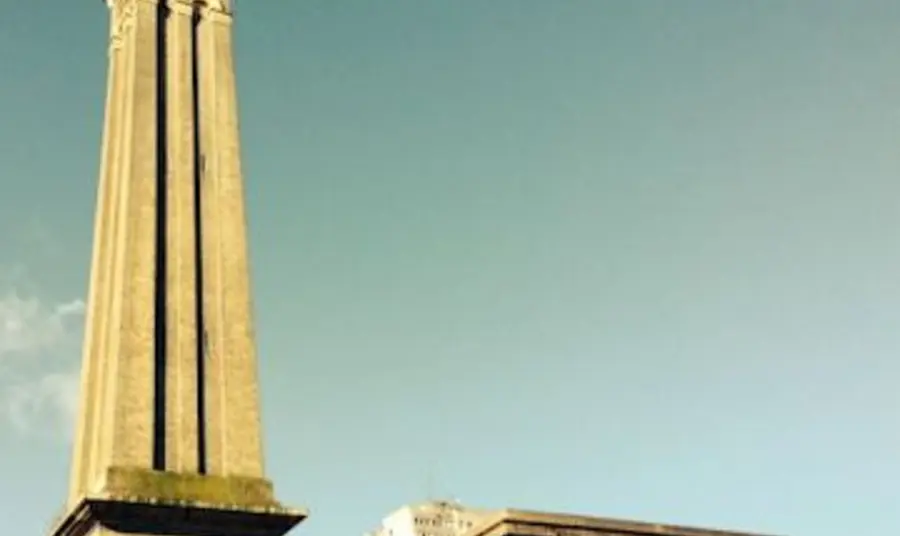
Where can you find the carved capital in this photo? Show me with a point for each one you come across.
(215, 10)
(184, 7)
(122, 13)
(219, 6)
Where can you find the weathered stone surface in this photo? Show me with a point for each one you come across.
(189, 488)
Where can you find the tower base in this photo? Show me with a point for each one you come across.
(143, 502)
(158, 519)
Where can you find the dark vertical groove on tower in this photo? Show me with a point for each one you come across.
(159, 379)
(199, 167)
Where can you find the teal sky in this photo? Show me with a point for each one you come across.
(632, 259)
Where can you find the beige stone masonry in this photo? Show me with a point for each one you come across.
(181, 306)
(113, 453)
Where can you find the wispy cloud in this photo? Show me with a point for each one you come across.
(28, 326)
(46, 405)
(39, 343)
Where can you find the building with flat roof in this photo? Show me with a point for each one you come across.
(431, 518)
(450, 518)
(526, 523)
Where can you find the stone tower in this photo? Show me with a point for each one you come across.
(168, 439)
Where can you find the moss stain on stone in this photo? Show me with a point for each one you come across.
(170, 487)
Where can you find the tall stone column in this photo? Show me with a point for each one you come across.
(168, 438)
(231, 352)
